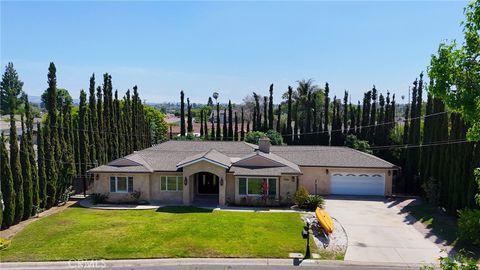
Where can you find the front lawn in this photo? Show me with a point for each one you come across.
(79, 233)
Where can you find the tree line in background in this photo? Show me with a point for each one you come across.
(428, 142)
(70, 141)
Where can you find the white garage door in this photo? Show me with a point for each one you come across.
(357, 184)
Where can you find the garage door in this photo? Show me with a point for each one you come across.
(357, 184)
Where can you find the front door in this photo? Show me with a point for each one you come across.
(207, 183)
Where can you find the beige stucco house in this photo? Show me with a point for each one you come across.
(238, 173)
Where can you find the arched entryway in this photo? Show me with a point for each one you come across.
(206, 188)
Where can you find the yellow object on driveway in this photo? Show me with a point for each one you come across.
(324, 219)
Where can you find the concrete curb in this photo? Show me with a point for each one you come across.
(196, 261)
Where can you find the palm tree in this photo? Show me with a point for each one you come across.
(215, 96)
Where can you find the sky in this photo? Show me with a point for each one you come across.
(233, 48)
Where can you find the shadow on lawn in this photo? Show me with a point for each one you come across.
(182, 210)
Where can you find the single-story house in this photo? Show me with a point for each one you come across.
(227, 173)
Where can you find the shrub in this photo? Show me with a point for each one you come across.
(312, 202)
(300, 196)
(254, 136)
(4, 243)
(469, 226)
(135, 195)
(275, 137)
(459, 262)
(99, 198)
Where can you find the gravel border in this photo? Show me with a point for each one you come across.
(336, 242)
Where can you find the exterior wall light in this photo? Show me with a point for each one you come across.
(389, 172)
(221, 181)
(327, 171)
(185, 181)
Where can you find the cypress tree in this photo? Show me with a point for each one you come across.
(205, 127)
(305, 136)
(373, 116)
(270, 109)
(42, 178)
(68, 168)
(248, 126)
(213, 134)
(31, 153)
(101, 155)
(279, 114)
(265, 115)
(15, 164)
(242, 130)
(189, 117)
(257, 122)
(127, 112)
(314, 134)
(182, 113)
(26, 174)
(358, 119)
(235, 134)
(352, 129)
(7, 186)
(82, 135)
(113, 132)
(201, 123)
(289, 116)
(92, 120)
(224, 130)
(295, 124)
(325, 135)
(218, 133)
(365, 128)
(345, 112)
(230, 121)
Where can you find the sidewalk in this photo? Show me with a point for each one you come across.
(157, 263)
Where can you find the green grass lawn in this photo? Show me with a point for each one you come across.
(79, 233)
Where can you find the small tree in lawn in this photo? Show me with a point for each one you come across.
(264, 187)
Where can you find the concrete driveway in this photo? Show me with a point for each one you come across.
(378, 232)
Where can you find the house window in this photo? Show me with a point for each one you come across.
(255, 186)
(121, 184)
(171, 183)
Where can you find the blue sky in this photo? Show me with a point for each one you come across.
(230, 47)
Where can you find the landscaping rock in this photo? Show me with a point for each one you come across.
(337, 241)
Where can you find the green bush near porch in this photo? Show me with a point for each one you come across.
(79, 233)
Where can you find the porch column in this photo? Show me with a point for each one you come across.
(187, 198)
(222, 189)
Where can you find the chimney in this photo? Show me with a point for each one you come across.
(264, 145)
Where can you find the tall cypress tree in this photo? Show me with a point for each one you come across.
(235, 134)
(42, 177)
(230, 121)
(82, 134)
(31, 153)
(189, 117)
(92, 120)
(352, 129)
(224, 130)
(257, 124)
(26, 174)
(100, 128)
(265, 114)
(201, 124)
(182, 113)
(295, 125)
(270, 108)
(306, 132)
(15, 163)
(365, 128)
(279, 114)
(7, 186)
(345, 112)
(213, 134)
(68, 168)
(205, 127)
(289, 116)
(373, 116)
(218, 133)
(242, 130)
(51, 149)
(313, 135)
(325, 135)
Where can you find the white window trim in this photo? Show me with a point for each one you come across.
(116, 184)
(256, 195)
(178, 181)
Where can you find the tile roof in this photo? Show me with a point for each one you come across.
(166, 156)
